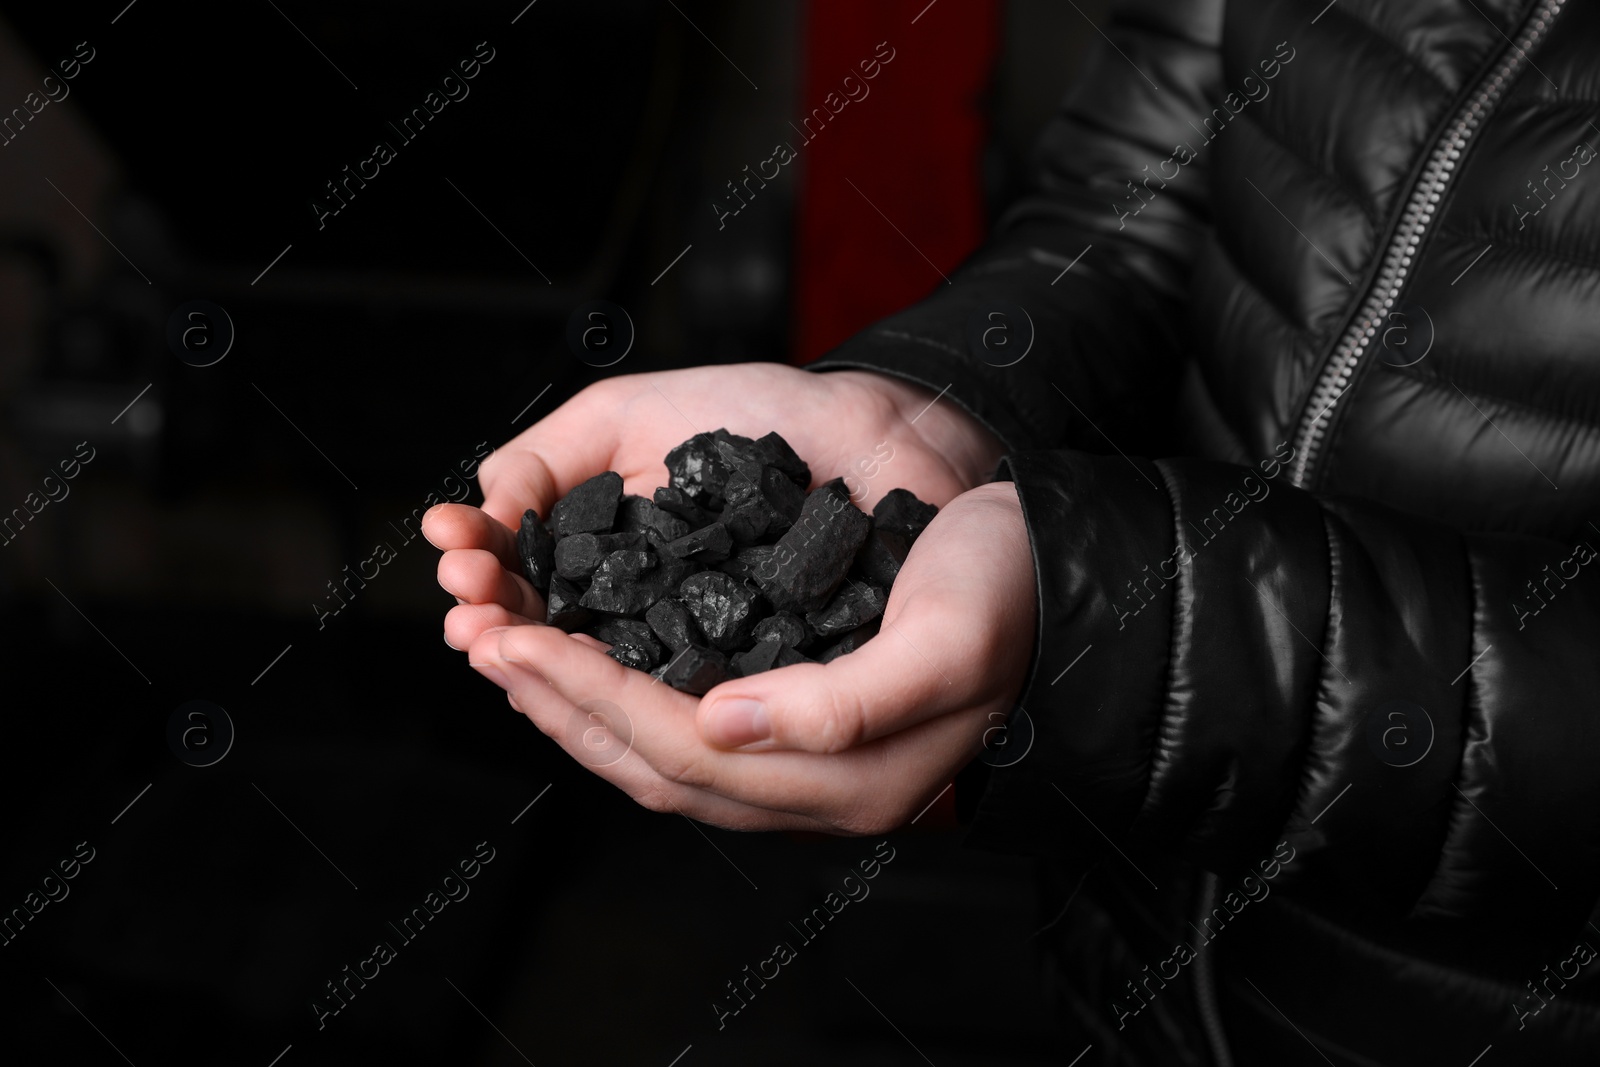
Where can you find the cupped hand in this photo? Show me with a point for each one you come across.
(876, 432)
(858, 745)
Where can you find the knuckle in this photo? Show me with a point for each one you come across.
(656, 797)
(606, 393)
(686, 770)
(839, 723)
(488, 470)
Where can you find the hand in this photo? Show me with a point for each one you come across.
(884, 728)
(875, 431)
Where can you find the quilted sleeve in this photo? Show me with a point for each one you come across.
(1226, 662)
(1087, 273)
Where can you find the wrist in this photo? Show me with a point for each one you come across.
(942, 425)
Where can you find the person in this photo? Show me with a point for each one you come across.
(1267, 542)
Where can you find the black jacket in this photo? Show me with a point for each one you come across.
(1318, 693)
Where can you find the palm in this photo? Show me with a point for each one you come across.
(873, 431)
(843, 424)
(882, 729)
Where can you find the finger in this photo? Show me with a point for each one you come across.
(465, 623)
(897, 679)
(593, 642)
(828, 788)
(448, 526)
(954, 631)
(476, 576)
(545, 461)
(599, 736)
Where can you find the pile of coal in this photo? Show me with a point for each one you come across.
(731, 569)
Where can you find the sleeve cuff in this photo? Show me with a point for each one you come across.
(1093, 703)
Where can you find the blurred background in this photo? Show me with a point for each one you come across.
(358, 339)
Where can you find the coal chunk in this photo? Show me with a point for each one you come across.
(615, 588)
(671, 622)
(785, 627)
(756, 659)
(901, 512)
(813, 557)
(774, 451)
(628, 582)
(854, 606)
(632, 642)
(788, 656)
(701, 466)
(697, 468)
(765, 655)
(760, 502)
(848, 643)
(746, 562)
(695, 670)
(625, 631)
(769, 451)
(639, 515)
(562, 605)
(725, 608)
(882, 555)
(579, 556)
(665, 579)
(679, 503)
(591, 507)
(709, 544)
(735, 450)
(628, 564)
(536, 546)
(633, 656)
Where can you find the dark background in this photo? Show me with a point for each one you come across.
(367, 363)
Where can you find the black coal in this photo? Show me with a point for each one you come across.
(730, 570)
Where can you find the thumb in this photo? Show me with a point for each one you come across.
(547, 460)
(512, 484)
(910, 672)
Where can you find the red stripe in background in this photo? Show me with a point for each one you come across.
(913, 145)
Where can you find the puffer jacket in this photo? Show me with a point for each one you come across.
(1296, 350)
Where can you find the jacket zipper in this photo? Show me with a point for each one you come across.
(1339, 369)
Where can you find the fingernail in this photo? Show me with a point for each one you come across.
(738, 722)
(447, 642)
